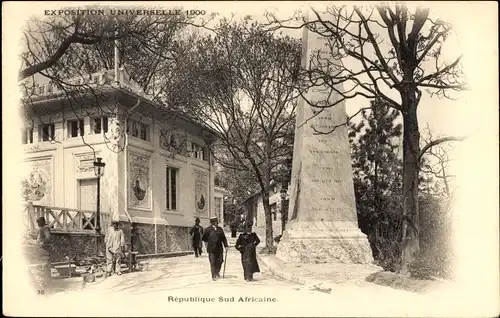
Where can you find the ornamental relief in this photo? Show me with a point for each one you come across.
(115, 137)
(139, 182)
(173, 141)
(37, 181)
(84, 162)
(201, 191)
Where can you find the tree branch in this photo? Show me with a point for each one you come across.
(437, 142)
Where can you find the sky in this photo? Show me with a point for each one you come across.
(443, 116)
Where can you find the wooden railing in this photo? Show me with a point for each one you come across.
(66, 220)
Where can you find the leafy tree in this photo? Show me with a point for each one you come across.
(240, 184)
(62, 49)
(242, 79)
(51, 42)
(373, 51)
(375, 143)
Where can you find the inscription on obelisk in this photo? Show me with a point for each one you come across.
(323, 223)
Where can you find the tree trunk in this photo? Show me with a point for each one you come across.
(411, 150)
(269, 220)
(284, 214)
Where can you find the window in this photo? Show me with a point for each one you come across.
(198, 152)
(99, 125)
(218, 208)
(27, 136)
(138, 130)
(172, 175)
(75, 128)
(47, 132)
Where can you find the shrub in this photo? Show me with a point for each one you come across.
(436, 249)
(420, 268)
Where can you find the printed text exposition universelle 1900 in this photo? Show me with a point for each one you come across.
(221, 299)
(67, 12)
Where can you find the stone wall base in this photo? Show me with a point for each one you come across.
(147, 240)
(309, 244)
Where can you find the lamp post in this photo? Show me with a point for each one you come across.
(285, 179)
(99, 172)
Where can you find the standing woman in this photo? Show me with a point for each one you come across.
(246, 244)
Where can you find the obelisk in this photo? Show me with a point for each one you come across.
(323, 226)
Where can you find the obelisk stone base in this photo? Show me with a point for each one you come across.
(317, 243)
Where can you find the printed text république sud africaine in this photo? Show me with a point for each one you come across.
(221, 299)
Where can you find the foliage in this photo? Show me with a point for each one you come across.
(376, 162)
(372, 51)
(242, 78)
(60, 48)
(240, 183)
(377, 167)
(232, 212)
(436, 254)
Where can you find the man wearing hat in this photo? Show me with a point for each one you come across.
(216, 242)
(196, 233)
(115, 244)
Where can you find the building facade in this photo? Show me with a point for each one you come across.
(158, 176)
(255, 210)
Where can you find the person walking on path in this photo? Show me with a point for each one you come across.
(115, 246)
(196, 233)
(234, 228)
(216, 242)
(246, 245)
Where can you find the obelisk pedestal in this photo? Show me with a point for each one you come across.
(323, 225)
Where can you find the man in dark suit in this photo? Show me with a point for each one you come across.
(216, 242)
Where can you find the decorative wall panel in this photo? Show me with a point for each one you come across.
(37, 182)
(139, 186)
(201, 191)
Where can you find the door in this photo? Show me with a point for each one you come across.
(87, 194)
(87, 198)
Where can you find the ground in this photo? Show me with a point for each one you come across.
(182, 286)
(154, 292)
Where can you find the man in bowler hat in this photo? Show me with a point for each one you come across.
(216, 242)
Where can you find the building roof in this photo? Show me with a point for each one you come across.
(104, 81)
(271, 183)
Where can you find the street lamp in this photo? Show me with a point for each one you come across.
(99, 172)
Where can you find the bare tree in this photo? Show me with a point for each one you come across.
(375, 50)
(68, 51)
(242, 77)
(49, 39)
(435, 159)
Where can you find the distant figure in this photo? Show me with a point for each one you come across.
(216, 241)
(246, 243)
(43, 275)
(115, 246)
(196, 233)
(43, 237)
(234, 228)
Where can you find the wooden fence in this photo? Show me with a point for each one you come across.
(66, 220)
